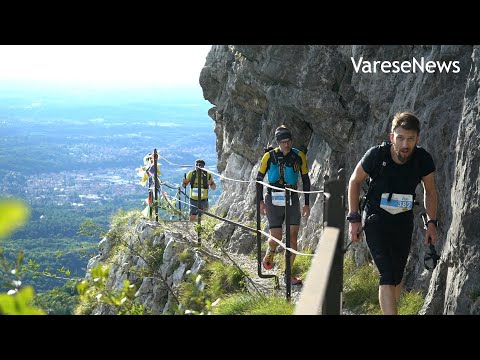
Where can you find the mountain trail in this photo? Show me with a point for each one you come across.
(248, 264)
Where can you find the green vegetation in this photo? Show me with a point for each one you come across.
(361, 291)
(186, 257)
(207, 226)
(95, 291)
(121, 238)
(46, 260)
(410, 303)
(53, 239)
(18, 303)
(360, 287)
(59, 301)
(13, 214)
(300, 266)
(199, 294)
(18, 299)
(245, 304)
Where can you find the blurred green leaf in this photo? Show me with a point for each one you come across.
(81, 287)
(13, 214)
(19, 303)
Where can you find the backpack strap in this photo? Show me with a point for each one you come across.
(281, 166)
(204, 183)
(381, 163)
(193, 177)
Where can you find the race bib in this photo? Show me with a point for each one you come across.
(398, 203)
(278, 198)
(195, 192)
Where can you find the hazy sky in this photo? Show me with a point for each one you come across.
(104, 65)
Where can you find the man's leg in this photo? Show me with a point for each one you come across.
(295, 218)
(387, 299)
(397, 262)
(275, 219)
(193, 210)
(294, 229)
(398, 291)
(276, 233)
(271, 247)
(150, 204)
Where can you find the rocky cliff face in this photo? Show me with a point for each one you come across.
(151, 257)
(339, 109)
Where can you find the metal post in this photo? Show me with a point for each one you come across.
(199, 201)
(259, 189)
(335, 218)
(288, 254)
(325, 178)
(259, 235)
(155, 157)
(179, 194)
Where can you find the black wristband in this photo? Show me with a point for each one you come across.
(434, 222)
(354, 217)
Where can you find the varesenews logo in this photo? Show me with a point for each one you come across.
(406, 67)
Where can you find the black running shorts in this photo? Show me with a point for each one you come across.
(389, 245)
(276, 214)
(194, 206)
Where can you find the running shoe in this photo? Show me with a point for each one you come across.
(268, 259)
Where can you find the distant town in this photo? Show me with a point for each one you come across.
(76, 189)
(73, 160)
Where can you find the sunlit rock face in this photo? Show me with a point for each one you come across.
(339, 101)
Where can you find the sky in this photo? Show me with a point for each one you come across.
(105, 66)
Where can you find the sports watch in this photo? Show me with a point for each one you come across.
(354, 217)
(434, 222)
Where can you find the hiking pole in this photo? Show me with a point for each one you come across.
(179, 204)
(259, 190)
(185, 196)
(199, 203)
(288, 270)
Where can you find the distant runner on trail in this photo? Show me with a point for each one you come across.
(147, 172)
(284, 164)
(206, 182)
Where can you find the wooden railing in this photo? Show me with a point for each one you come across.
(323, 286)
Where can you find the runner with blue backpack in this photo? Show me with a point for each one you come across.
(394, 170)
(284, 165)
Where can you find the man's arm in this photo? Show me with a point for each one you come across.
(430, 202)
(212, 184)
(306, 187)
(263, 208)
(186, 179)
(262, 171)
(306, 183)
(356, 179)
